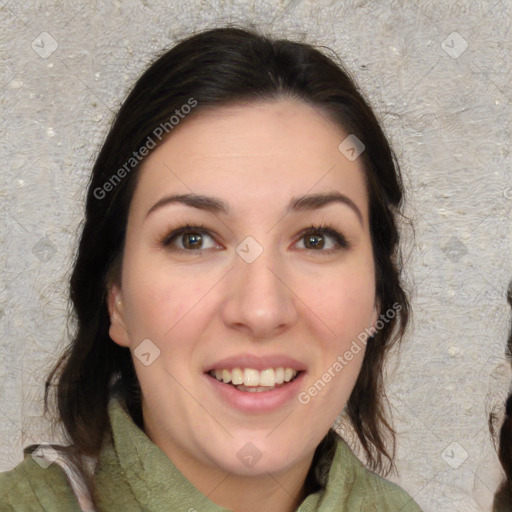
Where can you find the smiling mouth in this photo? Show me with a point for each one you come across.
(252, 381)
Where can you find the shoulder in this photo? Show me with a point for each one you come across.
(384, 495)
(36, 484)
(378, 494)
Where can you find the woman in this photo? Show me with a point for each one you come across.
(237, 286)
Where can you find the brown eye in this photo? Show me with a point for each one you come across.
(191, 240)
(314, 239)
(187, 239)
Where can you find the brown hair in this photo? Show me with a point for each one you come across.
(503, 496)
(219, 67)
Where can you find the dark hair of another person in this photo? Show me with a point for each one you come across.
(503, 496)
(220, 67)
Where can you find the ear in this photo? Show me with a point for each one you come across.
(117, 331)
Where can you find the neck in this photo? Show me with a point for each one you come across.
(272, 493)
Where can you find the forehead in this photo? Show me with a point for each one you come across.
(248, 153)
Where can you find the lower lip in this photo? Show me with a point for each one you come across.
(266, 401)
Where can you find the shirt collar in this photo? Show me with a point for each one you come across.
(133, 470)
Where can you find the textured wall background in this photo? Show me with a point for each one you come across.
(438, 73)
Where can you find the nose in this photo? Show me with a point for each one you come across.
(259, 300)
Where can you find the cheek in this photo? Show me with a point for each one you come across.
(165, 305)
(156, 300)
(345, 302)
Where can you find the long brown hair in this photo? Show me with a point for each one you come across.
(503, 496)
(219, 67)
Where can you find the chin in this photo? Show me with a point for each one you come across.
(256, 455)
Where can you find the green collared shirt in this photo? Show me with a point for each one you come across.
(133, 474)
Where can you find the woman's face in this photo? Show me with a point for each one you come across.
(253, 289)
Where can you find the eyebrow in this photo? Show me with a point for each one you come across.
(297, 204)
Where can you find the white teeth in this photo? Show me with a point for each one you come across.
(289, 374)
(251, 377)
(254, 378)
(267, 377)
(236, 376)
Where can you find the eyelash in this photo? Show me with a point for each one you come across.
(321, 228)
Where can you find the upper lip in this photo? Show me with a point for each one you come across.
(257, 362)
